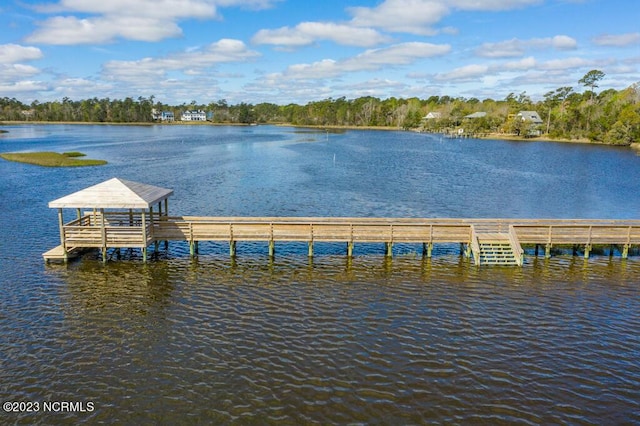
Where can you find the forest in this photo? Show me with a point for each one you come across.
(609, 116)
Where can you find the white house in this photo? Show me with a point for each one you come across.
(198, 115)
(432, 116)
(531, 116)
(162, 116)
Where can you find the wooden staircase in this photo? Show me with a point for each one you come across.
(496, 248)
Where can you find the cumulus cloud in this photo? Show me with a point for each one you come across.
(617, 39)
(23, 87)
(407, 16)
(12, 53)
(148, 8)
(419, 16)
(492, 5)
(307, 33)
(372, 59)
(69, 30)
(566, 63)
(516, 47)
(143, 20)
(188, 62)
(12, 72)
(523, 64)
(465, 73)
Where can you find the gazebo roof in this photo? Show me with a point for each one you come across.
(114, 193)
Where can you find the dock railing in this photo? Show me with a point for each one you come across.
(113, 229)
(127, 229)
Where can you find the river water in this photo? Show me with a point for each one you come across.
(289, 340)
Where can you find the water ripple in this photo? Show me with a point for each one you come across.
(330, 342)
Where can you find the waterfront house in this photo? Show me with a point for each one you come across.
(193, 115)
(162, 116)
(531, 116)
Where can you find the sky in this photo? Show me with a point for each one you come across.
(286, 51)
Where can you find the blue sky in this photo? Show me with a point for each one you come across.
(285, 51)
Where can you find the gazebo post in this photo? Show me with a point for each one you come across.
(78, 213)
(62, 237)
(166, 214)
(103, 232)
(144, 232)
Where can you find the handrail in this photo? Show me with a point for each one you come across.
(518, 252)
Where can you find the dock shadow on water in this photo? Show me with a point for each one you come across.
(337, 340)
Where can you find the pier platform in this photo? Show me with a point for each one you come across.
(122, 215)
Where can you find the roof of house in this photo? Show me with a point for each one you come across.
(530, 115)
(478, 114)
(114, 193)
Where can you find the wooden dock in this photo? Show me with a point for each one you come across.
(489, 241)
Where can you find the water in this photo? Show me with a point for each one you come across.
(288, 341)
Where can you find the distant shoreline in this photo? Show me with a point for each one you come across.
(111, 123)
(507, 137)
(493, 136)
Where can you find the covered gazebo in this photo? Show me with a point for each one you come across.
(116, 213)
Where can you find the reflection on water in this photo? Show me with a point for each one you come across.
(402, 340)
(331, 340)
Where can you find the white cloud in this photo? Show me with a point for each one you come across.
(566, 63)
(13, 72)
(617, 39)
(108, 20)
(12, 53)
(307, 33)
(516, 47)
(491, 5)
(71, 30)
(374, 84)
(419, 16)
(398, 54)
(372, 59)
(248, 4)
(159, 9)
(23, 87)
(406, 16)
(465, 73)
(188, 62)
(523, 64)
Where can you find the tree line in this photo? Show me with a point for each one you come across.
(611, 116)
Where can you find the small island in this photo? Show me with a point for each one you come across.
(52, 159)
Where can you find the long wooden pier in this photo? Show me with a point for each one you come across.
(488, 241)
(122, 215)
